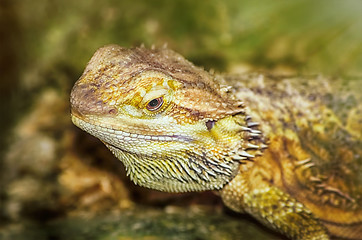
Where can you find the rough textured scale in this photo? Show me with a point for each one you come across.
(286, 150)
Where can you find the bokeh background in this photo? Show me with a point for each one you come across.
(51, 173)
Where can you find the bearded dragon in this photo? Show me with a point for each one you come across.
(268, 148)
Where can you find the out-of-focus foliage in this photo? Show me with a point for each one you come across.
(319, 36)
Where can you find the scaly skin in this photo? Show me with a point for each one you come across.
(282, 155)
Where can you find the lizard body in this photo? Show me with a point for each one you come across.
(269, 150)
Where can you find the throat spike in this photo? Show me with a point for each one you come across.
(245, 154)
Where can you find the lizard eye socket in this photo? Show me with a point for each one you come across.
(154, 104)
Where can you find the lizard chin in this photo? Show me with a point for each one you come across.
(176, 173)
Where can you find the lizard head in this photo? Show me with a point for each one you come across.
(170, 123)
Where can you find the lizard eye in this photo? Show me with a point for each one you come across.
(154, 104)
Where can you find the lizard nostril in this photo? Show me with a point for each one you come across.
(113, 111)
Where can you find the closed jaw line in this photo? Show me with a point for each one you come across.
(126, 136)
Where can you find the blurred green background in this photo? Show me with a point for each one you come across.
(45, 45)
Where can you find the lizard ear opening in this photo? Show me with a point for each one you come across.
(210, 124)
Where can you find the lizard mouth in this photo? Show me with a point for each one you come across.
(116, 137)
